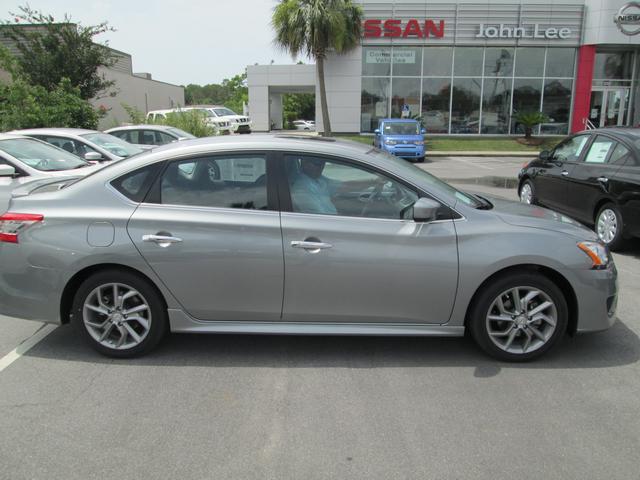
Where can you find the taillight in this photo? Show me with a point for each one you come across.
(11, 224)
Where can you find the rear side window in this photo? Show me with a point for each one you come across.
(135, 185)
(621, 155)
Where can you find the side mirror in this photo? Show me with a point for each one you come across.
(7, 171)
(377, 131)
(92, 156)
(425, 210)
(423, 131)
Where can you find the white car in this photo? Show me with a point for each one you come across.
(222, 125)
(89, 145)
(239, 123)
(308, 125)
(147, 135)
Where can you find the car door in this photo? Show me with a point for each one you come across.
(353, 254)
(624, 188)
(210, 229)
(550, 184)
(589, 180)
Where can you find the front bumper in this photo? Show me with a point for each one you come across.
(406, 151)
(597, 296)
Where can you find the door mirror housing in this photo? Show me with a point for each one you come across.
(425, 210)
(92, 156)
(423, 131)
(7, 171)
(377, 131)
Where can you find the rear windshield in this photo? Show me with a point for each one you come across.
(113, 144)
(401, 128)
(40, 155)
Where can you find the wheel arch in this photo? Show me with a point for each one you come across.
(66, 300)
(601, 203)
(553, 275)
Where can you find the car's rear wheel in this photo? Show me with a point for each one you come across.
(527, 193)
(609, 226)
(518, 317)
(120, 314)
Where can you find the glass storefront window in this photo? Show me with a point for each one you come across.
(407, 62)
(376, 61)
(375, 102)
(498, 62)
(557, 105)
(436, 95)
(529, 62)
(405, 97)
(496, 104)
(526, 98)
(560, 62)
(468, 61)
(613, 66)
(465, 105)
(437, 61)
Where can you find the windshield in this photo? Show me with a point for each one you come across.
(432, 180)
(112, 144)
(180, 133)
(224, 111)
(401, 128)
(41, 156)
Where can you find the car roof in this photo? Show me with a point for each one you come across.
(146, 126)
(396, 120)
(54, 131)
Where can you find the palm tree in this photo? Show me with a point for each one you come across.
(315, 27)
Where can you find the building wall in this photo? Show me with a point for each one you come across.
(138, 92)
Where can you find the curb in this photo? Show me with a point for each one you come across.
(491, 181)
(440, 153)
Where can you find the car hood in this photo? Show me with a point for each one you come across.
(522, 215)
(402, 138)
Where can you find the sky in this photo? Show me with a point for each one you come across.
(181, 42)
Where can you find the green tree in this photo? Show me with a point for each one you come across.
(232, 93)
(314, 27)
(297, 106)
(33, 106)
(50, 51)
(529, 120)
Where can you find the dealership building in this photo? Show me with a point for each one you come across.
(469, 67)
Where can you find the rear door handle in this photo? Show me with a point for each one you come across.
(310, 245)
(161, 240)
(603, 179)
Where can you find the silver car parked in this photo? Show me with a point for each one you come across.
(296, 235)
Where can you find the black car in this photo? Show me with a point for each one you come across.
(592, 176)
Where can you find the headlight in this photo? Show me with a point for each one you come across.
(419, 142)
(598, 254)
(390, 142)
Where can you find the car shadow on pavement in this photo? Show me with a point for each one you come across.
(615, 347)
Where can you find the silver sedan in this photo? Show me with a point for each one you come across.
(289, 235)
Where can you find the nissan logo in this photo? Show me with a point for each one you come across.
(628, 18)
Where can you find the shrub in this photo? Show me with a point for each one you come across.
(530, 119)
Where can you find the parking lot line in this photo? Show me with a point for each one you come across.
(25, 346)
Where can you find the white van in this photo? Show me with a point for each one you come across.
(222, 125)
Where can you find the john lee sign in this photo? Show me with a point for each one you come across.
(524, 31)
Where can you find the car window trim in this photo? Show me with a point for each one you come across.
(285, 193)
(153, 196)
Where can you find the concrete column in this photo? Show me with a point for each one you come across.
(275, 110)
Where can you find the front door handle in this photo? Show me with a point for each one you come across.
(564, 173)
(310, 246)
(603, 179)
(161, 240)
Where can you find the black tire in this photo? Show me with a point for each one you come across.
(420, 160)
(618, 240)
(477, 320)
(158, 326)
(534, 196)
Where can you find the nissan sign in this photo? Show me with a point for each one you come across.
(628, 18)
(394, 28)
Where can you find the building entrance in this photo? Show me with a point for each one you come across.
(609, 106)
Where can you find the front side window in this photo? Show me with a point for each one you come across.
(237, 181)
(328, 187)
(570, 150)
(599, 150)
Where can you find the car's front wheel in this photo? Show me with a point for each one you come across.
(518, 317)
(609, 226)
(119, 313)
(527, 193)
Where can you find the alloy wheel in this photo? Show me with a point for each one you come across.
(521, 320)
(526, 194)
(607, 225)
(117, 316)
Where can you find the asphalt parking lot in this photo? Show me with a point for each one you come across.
(278, 407)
